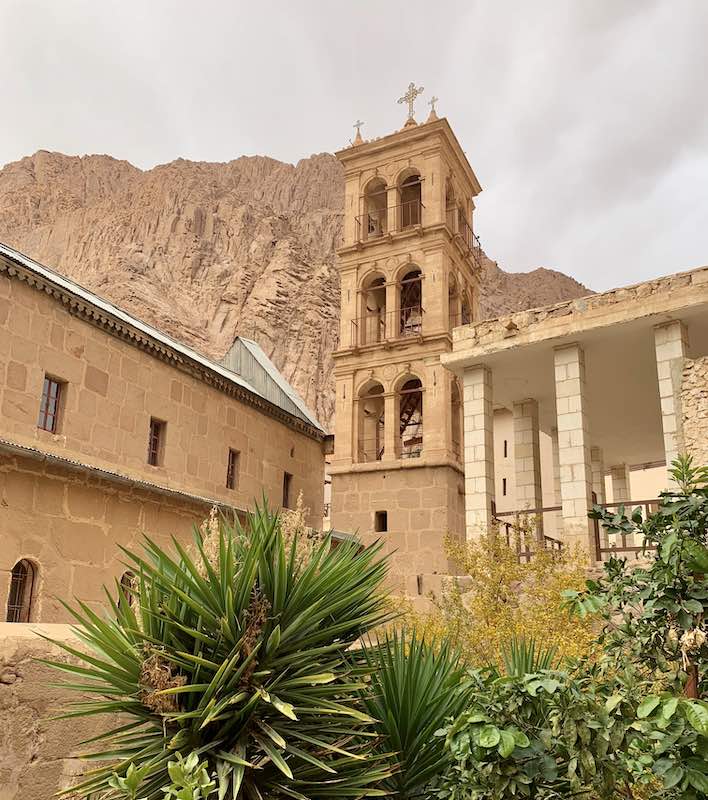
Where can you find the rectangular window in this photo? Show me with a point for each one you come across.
(156, 442)
(380, 521)
(232, 470)
(504, 486)
(50, 405)
(287, 481)
(506, 449)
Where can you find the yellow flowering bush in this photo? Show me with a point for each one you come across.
(500, 598)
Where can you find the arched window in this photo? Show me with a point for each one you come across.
(411, 304)
(410, 418)
(456, 408)
(126, 589)
(453, 300)
(22, 586)
(466, 309)
(372, 323)
(375, 219)
(371, 422)
(411, 205)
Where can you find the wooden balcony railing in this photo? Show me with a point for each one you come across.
(617, 542)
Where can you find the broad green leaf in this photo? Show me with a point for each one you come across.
(697, 714)
(507, 744)
(647, 705)
(489, 736)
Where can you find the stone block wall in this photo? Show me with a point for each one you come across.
(694, 408)
(35, 752)
(112, 388)
(422, 504)
(70, 526)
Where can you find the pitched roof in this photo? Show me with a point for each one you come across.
(245, 366)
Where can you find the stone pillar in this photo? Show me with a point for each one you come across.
(527, 458)
(557, 515)
(598, 474)
(479, 450)
(391, 427)
(671, 347)
(393, 317)
(574, 447)
(619, 475)
(597, 463)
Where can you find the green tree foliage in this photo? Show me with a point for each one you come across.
(656, 616)
(231, 666)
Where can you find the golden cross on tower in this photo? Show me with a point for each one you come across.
(409, 97)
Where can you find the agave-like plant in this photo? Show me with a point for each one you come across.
(414, 688)
(523, 656)
(235, 650)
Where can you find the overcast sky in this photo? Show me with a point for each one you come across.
(586, 121)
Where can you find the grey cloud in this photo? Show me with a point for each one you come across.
(585, 121)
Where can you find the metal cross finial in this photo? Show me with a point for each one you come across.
(410, 96)
(358, 125)
(433, 100)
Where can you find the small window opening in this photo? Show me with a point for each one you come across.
(232, 469)
(506, 449)
(50, 404)
(21, 596)
(504, 486)
(287, 484)
(156, 442)
(381, 521)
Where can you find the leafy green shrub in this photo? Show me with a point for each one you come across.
(544, 735)
(656, 616)
(234, 655)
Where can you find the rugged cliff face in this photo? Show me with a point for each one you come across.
(207, 251)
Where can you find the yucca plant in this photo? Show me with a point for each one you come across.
(522, 656)
(414, 689)
(235, 651)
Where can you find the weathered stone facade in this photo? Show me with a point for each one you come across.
(694, 408)
(69, 497)
(35, 751)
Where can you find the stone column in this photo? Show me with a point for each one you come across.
(574, 447)
(393, 319)
(557, 515)
(597, 463)
(391, 427)
(479, 450)
(598, 474)
(671, 347)
(619, 475)
(527, 458)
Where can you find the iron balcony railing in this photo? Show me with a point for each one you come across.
(462, 230)
(378, 222)
(387, 325)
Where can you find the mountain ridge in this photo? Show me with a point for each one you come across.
(206, 251)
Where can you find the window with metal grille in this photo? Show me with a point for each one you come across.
(156, 442)
(232, 469)
(287, 482)
(19, 602)
(50, 405)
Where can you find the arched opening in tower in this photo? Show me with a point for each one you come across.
(410, 419)
(371, 428)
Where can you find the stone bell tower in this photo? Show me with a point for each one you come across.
(409, 269)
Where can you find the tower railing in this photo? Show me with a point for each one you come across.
(459, 226)
(383, 326)
(378, 222)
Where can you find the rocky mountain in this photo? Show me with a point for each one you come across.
(207, 251)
